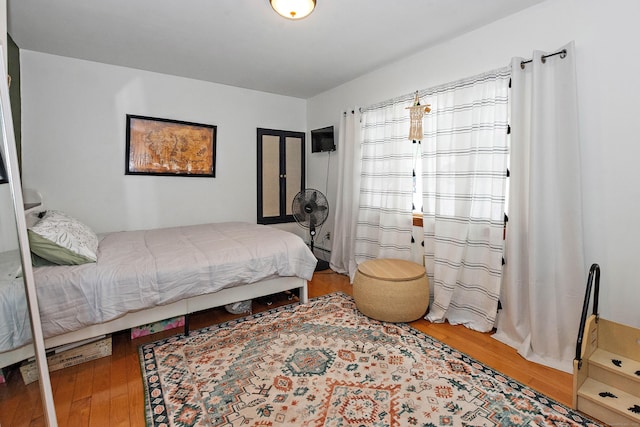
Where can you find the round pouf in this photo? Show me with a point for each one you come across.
(391, 290)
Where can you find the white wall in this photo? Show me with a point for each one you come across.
(608, 71)
(74, 117)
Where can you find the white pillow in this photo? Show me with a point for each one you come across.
(61, 239)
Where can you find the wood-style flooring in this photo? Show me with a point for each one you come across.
(108, 391)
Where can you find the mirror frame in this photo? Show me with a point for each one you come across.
(10, 156)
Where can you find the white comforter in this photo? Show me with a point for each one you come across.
(14, 317)
(142, 269)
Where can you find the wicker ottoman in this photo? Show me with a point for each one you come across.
(391, 290)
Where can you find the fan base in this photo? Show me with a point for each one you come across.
(322, 265)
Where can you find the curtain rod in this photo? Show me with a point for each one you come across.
(562, 53)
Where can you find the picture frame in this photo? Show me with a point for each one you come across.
(157, 146)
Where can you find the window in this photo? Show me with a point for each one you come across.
(417, 179)
(417, 185)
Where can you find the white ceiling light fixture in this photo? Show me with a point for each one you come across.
(293, 9)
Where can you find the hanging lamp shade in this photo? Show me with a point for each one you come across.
(293, 9)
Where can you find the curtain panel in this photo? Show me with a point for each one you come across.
(348, 195)
(464, 164)
(385, 221)
(545, 270)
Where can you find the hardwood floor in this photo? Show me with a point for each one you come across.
(108, 391)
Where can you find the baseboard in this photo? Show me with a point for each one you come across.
(322, 253)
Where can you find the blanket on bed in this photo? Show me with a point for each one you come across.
(141, 269)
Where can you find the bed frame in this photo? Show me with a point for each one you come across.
(155, 314)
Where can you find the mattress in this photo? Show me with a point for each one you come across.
(147, 268)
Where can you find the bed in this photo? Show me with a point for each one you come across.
(145, 276)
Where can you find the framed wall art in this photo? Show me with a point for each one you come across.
(169, 147)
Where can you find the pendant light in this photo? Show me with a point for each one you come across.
(293, 9)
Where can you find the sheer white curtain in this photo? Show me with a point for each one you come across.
(348, 194)
(385, 221)
(464, 164)
(545, 271)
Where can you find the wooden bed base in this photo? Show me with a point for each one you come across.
(155, 314)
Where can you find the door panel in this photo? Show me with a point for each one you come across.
(293, 147)
(270, 176)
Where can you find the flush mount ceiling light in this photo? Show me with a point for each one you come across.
(293, 9)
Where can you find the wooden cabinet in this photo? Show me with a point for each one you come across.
(280, 173)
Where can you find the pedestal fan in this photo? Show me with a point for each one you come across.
(310, 210)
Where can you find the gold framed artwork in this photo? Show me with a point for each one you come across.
(169, 147)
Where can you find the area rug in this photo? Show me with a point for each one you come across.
(325, 364)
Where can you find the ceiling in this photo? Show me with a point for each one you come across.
(244, 43)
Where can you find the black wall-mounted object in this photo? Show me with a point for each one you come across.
(3, 172)
(322, 140)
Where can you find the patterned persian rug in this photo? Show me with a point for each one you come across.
(325, 364)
